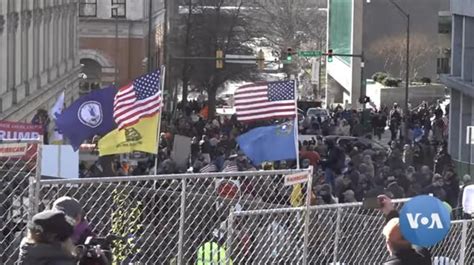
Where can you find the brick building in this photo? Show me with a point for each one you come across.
(113, 40)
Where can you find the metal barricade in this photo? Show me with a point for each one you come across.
(20, 167)
(168, 217)
(338, 234)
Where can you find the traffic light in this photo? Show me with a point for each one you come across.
(364, 100)
(260, 60)
(219, 59)
(289, 54)
(329, 55)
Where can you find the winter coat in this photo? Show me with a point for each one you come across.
(417, 256)
(336, 159)
(442, 161)
(412, 256)
(44, 254)
(452, 193)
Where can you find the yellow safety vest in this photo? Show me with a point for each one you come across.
(211, 254)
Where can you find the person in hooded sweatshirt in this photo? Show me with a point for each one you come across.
(48, 241)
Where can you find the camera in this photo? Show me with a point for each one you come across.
(97, 250)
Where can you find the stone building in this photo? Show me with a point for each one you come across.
(38, 55)
(461, 83)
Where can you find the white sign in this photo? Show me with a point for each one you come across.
(59, 161)
(234, 58)
(469, 135)
(315, 72)
(296, 178)
(181, 150)
(13, 149)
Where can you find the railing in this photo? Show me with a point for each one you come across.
(168, 218)
(339, 234)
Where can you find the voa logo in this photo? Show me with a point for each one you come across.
(424, 220)
(433, 222)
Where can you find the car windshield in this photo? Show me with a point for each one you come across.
(317, 112)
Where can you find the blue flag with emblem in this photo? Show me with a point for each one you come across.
(269, 143)
(88, 116)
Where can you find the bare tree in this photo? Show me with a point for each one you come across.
(298, 24)
(393, 49)
(206, 26)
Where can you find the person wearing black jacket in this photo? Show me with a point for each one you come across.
(335, 162)
(401, 251)
(48, 240)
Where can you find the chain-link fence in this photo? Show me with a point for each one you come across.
(19, 164)
(168, 218)
(338, 234)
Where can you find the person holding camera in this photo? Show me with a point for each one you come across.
(48, 240)
(74, 212)
(91, 250)
(401, 251)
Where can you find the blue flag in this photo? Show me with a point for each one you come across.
(269, 143)
(88, 116)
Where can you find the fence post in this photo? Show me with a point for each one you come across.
(309, 189)
(34, 183)
(337, 234)
(462, 254)
(182, 217)
(230, 226)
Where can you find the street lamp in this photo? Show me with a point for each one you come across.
(407, 66)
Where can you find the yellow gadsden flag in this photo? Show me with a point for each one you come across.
(139, 137)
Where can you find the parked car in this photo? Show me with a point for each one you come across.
(361, 142)
(315, 112)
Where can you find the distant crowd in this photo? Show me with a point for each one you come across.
(343, 172)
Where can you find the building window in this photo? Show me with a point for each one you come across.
(444, 25)
(119, 8)
(443, 66)
(88, 8)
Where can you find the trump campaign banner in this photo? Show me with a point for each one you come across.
(18, 131)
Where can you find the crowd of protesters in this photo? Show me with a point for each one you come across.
(408, 166)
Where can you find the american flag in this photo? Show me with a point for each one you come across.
(263, 101)
(230, 168)
(141, 98)
(209, 168)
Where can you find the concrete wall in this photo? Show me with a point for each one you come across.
(386, 96)
(462, 7)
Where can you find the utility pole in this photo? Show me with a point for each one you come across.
(407, 79)
(407, 67)
(150, 31)
(115, 10)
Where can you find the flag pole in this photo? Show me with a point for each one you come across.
(162, 85)
(295, 126)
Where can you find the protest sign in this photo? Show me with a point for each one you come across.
(19, 131)
(181, 150)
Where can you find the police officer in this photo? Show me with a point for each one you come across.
(213, 251)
